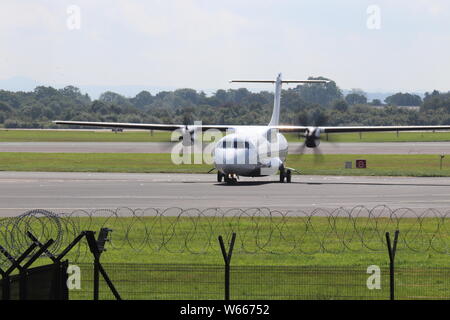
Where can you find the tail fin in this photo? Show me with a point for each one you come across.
(274, 121)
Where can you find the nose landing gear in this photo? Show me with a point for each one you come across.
(228, 178)
(231, 178)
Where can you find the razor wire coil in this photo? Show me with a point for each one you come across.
(260, 230)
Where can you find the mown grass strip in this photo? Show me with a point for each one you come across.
(333, 164)
(161, 136)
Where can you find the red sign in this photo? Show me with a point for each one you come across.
(361, 164)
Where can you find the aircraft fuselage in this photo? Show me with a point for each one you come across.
(251, 152)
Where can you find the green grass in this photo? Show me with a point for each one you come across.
(160, 136)
(294, 241)
(82, 136)
(261, 241)
(181, 267)
(333, 164)
(161, 282)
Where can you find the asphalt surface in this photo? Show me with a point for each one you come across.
(65, 192)
(166, 147)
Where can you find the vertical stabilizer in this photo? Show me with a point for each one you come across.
(274, 121)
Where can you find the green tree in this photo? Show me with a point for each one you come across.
(99, 107)
(376, 102)
(322, 94)
(404, 99)
(142, 99)
(4, 107)
(355, 98)
(109, 97)
(340, 105)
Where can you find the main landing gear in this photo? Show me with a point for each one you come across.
(285, 175)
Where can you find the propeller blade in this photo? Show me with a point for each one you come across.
(318, 156)
(301, 149)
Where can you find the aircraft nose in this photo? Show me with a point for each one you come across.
(232, 157)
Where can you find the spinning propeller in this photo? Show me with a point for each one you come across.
(312, 140)
(187, 135)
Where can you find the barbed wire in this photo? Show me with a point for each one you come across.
(260, 230)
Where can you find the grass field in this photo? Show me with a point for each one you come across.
(166, 258)
(378, 165)
(263, 241)
(82, 136)
(271, 242)
(160, 136)
(204, 282)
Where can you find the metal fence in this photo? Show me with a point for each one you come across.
(204, 282)
(294, 235)
(261, 230)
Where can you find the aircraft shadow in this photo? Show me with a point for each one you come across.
(245, 183)
(260, 183)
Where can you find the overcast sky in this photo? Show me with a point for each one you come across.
(394, 45)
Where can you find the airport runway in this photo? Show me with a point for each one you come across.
(65, 192)
(166, 147)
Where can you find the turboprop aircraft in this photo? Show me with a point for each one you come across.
(255, 151)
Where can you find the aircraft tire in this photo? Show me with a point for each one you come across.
(282, 176)
(230, 180)
(288, 176)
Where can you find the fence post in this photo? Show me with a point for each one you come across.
(97, 247)
(23, 286)
(96, 278)
(5, 285)
(227, 260)
(6, 288)
(392, 250)
(15, 264)
(96, 253)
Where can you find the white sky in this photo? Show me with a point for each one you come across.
(202, 44)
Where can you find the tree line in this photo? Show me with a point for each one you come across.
(307, 104)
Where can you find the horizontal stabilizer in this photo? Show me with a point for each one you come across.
(283, 81)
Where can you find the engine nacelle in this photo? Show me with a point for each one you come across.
(312, 137)
(187, 135)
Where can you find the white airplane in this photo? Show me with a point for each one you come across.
(255, 151)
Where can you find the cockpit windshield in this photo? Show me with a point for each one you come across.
(235, 144)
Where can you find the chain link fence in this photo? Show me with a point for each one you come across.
(206, 282)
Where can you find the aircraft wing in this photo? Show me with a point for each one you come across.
(361, 128)
(143, 126)
(172, 127)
